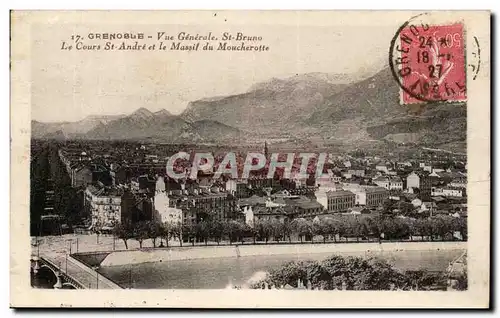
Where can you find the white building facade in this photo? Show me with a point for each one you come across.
(165, 213)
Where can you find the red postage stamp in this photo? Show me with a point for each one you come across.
(429, 63)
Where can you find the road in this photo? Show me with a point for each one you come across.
(56, 249)
(85, 276)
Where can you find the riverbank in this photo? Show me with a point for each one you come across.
(130, 257)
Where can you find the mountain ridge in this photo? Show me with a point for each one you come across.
(373, 104)
(330, 109)
(268, 106)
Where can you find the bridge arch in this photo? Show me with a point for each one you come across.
(68, 285)
(46, 277)
(48, 268)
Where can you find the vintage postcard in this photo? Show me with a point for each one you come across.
(284, 159)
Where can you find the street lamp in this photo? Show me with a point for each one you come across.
(130, 278)
(96, 275)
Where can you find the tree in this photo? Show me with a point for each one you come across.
(373, 225)
(363, 227)
(241, 231)
(292, 272)
(387, 227)
(388, 207)
(254, 230)
(189, 230)
(357, 273)
(154, 231)
(411, 227)
(141, 232)
(276, 228)
(337, 272)
(302, 227)
(462, 282)
(423, 279)
(406, 208)
(460, 225)
(166, 231)
(286, 230)
(355, 228)
(288, 273)
(395, 227)
(263, 229)
(332, 228)
(123, 231)
(321, 228)
(203, 231)
(423, 228)
(176, 231)
(246, 230)
(343, 228)
(373, 273)
(217, 230)
(442, 226)
(232, 230)
(402, 228)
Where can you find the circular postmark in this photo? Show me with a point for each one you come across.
(427, 59)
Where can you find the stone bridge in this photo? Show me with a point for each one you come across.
(68, 273)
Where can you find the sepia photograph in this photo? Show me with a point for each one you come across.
(254, 152)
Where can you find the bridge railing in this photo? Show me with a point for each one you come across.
(103, 280)
(68, 277)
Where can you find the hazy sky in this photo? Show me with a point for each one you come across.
(69, 85)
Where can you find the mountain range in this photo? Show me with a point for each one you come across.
(142, 124)
(70, 129)
(274, 107)
(332, 108)
(370, 110)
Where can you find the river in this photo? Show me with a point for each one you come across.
(218, 273)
